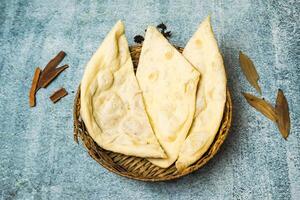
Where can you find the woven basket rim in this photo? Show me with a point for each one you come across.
(105, 158)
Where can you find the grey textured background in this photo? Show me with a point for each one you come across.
(38, 157)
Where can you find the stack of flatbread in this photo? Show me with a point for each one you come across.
(170, 111)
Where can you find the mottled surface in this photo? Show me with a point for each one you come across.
(38, 157)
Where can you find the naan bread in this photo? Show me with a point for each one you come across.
(203, 53)
(112, 107)
(169, 84)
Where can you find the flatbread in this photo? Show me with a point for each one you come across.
(169, 84)
(203, 53)
(112, 106)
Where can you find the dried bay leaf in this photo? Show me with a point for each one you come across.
(283, 115)
(262, 106)
(249, 71)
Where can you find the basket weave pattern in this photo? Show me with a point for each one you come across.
(141, 168)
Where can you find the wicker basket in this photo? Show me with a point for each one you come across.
(140, 168)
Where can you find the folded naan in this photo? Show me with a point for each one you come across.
(112, 106)
(203, 53)
(169, 84)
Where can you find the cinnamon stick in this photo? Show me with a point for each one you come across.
(57, 95)
(33, 88)
(49, 75)
(54, 62)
